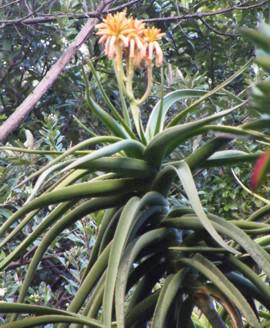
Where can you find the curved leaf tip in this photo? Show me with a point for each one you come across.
(262, 166)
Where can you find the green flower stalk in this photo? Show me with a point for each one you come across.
(129, 40)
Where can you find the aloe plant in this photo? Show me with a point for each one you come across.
(151, 263)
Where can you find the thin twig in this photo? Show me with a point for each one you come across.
(92, 14)
(32, 12)
(25, 108)
(211, 28)
(206, 14)
(47, 18)
(10, 4)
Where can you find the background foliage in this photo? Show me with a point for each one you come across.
(200, 53)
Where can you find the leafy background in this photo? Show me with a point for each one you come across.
(200, 53)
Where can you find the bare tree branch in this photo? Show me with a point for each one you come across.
(32, 12)
(10, 4)
(206, 14)
(50, 18)
(211, 28)
(12, 123)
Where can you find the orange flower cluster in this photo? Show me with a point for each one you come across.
(132, 36)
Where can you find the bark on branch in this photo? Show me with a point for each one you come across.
(48, 18)
(200, 15)
(12, 123)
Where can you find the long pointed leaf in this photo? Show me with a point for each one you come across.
(142, 312)
(132, 147)
(113, 126)
(258, 254)
(124, 166)
(208, 269)
(157, 117)
(253, 277)
(54, 214)
(80, 190)
(219, 87)
(189, 186)
(90, 280)
(119, 241)
(86, 143)
(166, 141)
(128, 218)
(59, 211)
(151, 237)
(167, 297)
(42, 320)
(67, 220)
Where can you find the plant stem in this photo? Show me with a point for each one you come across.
(149, 85)
(130, 75)
(120, 76)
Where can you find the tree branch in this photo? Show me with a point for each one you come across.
(92, 14)
(10, 4)
(12, 123)
(211, 28)
(51, 18)
(207, 14)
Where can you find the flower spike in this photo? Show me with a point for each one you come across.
(128, 40)
(152, 48)
(114, 31)
(141, 42)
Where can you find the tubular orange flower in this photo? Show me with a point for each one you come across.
(127, 39)
(114, 31)
(152, 47)
(136, 42)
